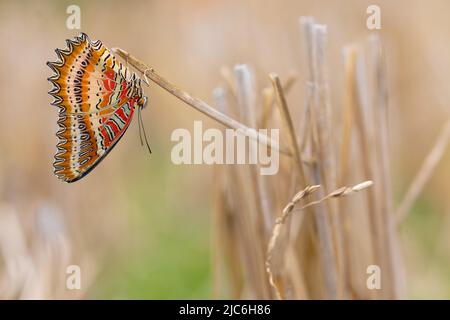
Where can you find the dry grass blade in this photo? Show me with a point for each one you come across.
(289, 209)
(269, 98)
(284, 110)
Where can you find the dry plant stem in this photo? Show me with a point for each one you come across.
(294, 147)
(326, 164)
(198, 104)
(327, 259)
(281, 102)
(424, 174)
(316, 106)
(288, 124)
(236, 239)
(380, 122)
(246, 88)
(289, 209)
(322, 108)
(349, 56)
(380, 106)
(377, 228)
(226, 235)
(259, 218)
(269, 98)
(362, 134)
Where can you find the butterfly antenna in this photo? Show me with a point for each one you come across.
(139, 126)
(143, 131)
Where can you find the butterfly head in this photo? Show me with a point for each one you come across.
(142, 102)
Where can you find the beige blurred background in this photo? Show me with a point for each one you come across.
(139, 226)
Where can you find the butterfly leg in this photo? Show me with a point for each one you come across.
(144, 74)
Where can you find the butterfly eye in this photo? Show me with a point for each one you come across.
(143, 102)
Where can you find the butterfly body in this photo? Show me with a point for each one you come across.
(97, 97)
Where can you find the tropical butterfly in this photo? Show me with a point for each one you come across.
(97, 96)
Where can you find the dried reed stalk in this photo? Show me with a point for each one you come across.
(284, 110)
(366, 153)
(343, 171)
(380, 134)
(269, 98)
(259, 220)
(226, 258)
(318, 110)
(286, 119)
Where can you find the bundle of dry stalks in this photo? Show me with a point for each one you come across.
(325, 250)
(262, 250)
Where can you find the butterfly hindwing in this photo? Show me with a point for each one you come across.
(96, 100)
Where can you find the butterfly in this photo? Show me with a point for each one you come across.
(97, 96)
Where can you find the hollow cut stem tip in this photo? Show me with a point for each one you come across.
(273, 77)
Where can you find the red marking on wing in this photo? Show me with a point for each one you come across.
(109, 81)
(116, 132)
(122, 115)
(123, 92)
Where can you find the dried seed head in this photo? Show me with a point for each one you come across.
(363, 185)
